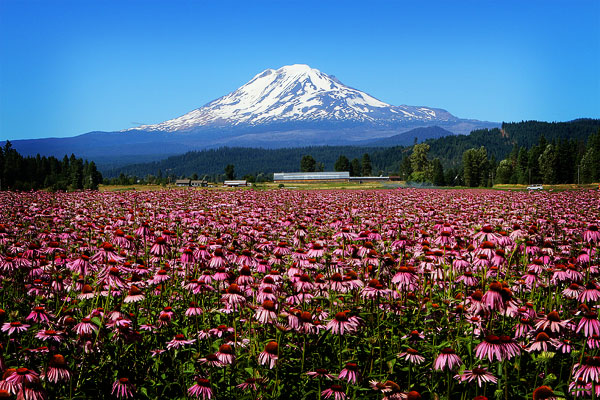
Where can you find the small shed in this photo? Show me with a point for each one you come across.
(182, 182)
(235, 183)
(198, 183)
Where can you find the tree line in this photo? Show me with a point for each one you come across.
(32, 173)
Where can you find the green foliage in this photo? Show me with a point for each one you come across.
(519, 143)
(355, 168)
(229, 172)
(308, 164)
(367, 167)
(342, 164)
(32, 173)
(438, 177)
(475, 167)
(418, 159)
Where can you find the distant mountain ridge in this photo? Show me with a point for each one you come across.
(498, 143)
(293, 106)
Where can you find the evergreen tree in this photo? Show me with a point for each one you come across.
(547, 165)
(342, 164)
(308, 164)
(355, 168)
(438, 177)
(504, 172)
(420, 164)
(475, 167)
(367, 168)
(229, 172)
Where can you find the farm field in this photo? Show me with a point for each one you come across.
(300, 294)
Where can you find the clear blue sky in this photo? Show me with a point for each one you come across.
(72, 66)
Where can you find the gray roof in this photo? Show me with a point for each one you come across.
(292, 176)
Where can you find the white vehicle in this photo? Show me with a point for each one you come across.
(535, 187)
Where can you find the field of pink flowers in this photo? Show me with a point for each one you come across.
(397, 294)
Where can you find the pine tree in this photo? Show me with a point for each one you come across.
(229, 172)
(342, 164)
(367, 168)
(355, 168)
(308, 164)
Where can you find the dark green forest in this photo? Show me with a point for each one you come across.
(568, 157)
(31, 173)
(521, 153)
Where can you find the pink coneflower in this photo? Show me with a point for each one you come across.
(13, 327)
(211, 360)
(588, 370)
(320, 373)
(187, 256)
(342, 323)
(335, 391)
(303, 283)
(81, 265)
(479, 374)
(579, 387)
(316, 250)
(193, 310)
(543, 393)
(160, 247)
(50, 335)
(589, 324)
(134, 295)
(592, 234)
(161, 276)
(267, 312)
(350, 373)
(447, 360)
(250, 384)
(493, 297)
(85, 327)
(225, 354)
(38, 314)
(336, 283)
(123, 388)
(57, 369)
(201, 388)
(269, 355)
(468, 279)
(217, 260)
(107, 253)
(233, 296)
(388, 387)
(510, 348)
(590, 293)
(489, 348)
(542, 340)
(21, 376)
(405, 278)
(551, 321)
(412, 356)
(220, 331)
(573, 291)
(179, 341)
(10, 388)
(87, 292)
(375, 290)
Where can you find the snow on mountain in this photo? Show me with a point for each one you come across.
(297, 93)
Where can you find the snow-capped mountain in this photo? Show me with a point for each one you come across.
(297, 93)
(293, 106)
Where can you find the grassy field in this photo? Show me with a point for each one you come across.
(332, 186)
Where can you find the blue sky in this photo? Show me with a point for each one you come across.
(72, 66)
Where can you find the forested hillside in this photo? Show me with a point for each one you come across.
(569, 140)
(27, 173)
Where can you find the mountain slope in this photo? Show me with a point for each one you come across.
(296, 93)
(293, 106)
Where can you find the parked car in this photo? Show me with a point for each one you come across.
(535, 187)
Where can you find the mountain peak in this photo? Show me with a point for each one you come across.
(296, 93)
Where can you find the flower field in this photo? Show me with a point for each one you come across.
(432, 294)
